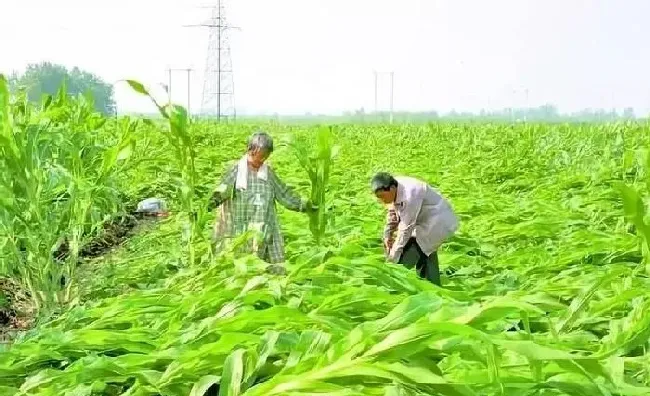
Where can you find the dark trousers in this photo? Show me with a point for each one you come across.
(426, 266)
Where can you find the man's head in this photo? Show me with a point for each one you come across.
(384, 186)
(260, 147)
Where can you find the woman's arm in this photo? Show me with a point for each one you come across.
(285, 195)
(225, 189)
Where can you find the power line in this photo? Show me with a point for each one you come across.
(392, 86)
(392, 89)
(218, 83)
(376, 100)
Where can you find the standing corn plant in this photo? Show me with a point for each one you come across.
(58, 183)
(178, 135)
(316, 159)
(635, 209)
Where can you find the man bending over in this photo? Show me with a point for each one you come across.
(419, 221)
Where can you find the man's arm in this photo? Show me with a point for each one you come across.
(224, 190)
(285, 195)
(407, 223)
(392, 222)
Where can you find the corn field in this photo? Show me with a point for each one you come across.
(545, 286)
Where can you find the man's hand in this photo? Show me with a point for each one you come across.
(388, 245)
(393, 257)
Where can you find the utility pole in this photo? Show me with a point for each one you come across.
(188, 71)
(219, 16)
(189, 84)
(527, 105)
(376, 100)
(218, 84)
(169, 86)
(392, 84)
(392, 89)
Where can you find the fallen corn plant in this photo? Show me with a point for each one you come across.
(542, 293)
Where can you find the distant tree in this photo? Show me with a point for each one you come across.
(549, 111)
(360, 114)
(628, 113)
(47, 78)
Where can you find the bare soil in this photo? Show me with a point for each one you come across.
(16, 310)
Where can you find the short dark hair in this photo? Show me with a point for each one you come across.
(382, 181)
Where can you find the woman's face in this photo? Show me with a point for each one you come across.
(257, 157)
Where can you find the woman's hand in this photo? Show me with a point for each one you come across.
(310, 207)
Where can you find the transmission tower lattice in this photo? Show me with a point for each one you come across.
(218, 83)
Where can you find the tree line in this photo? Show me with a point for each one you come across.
(43, 78)
(47, 78)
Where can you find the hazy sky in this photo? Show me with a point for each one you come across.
(294, 56)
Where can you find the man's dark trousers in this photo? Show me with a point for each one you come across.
(426, 266)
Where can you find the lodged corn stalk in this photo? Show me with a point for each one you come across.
(316, 159)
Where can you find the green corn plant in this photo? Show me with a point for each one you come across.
(543, 293)
(93, 165)
(59, 184)
(316, 159)
(31, 213)
(635, 210)
(179, 137)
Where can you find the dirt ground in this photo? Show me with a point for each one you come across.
(16, 313)
(16, 309)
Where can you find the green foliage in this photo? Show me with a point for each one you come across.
(59, 171)
(635, 208)
(47, 78)
(184, 146)
(542, 289)
(315, 155)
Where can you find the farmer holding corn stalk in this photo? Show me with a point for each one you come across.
(246, 197)
(421, 218)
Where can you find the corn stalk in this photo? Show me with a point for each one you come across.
(316, 159)
(635, 209)
(58, 185)
(182, 141)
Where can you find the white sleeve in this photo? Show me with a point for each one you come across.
(407, 222)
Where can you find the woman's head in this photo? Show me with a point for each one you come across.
(260, 147)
